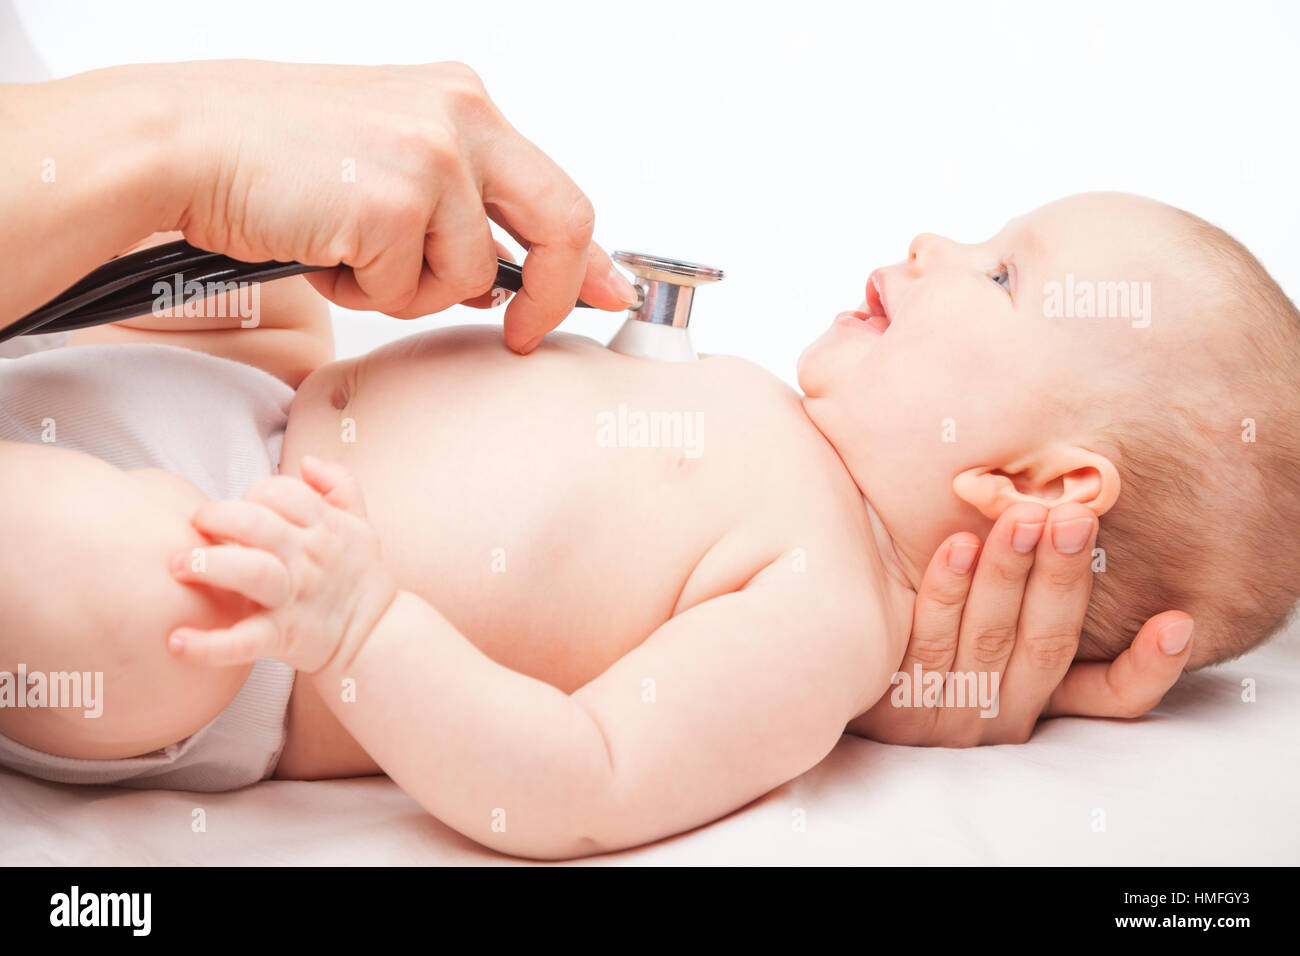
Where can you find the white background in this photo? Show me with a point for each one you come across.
(799, 145)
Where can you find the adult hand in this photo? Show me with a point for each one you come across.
(1018, 614)
(391, 173)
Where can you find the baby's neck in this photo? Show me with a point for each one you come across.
(900, 572)
(901, 578)
(898, 587)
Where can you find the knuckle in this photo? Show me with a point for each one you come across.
(434, 147)
(390, 211)
(475, 277)
(947, 596)
(456, 74)
(398, 302)
(241, 521)
(1062, 578)
(1053, 650)
(1011, 571)
(275, 587)
(581, 222)
(320, 546)
(483, 275)
(468, 97)
(993, 642)
(930, 653)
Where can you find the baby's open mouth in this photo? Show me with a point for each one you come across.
(876, 316)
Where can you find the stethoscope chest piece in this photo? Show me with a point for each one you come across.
(656, 327)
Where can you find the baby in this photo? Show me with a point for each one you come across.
(561, 642)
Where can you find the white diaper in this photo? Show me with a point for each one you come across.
(219, 424)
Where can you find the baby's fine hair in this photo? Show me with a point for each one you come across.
(1209, 493)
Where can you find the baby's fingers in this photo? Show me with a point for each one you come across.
(247, 523)
(257, 575)
(251, 639)
(1132, 683)
(335, 484)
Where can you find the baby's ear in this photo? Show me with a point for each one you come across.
(1050, 477)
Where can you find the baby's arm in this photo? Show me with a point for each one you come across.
(720, 705)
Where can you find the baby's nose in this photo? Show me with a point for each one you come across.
(927, 249)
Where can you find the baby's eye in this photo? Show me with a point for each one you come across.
(1002, 276)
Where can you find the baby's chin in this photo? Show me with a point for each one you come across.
(805, 371)
(837, 355)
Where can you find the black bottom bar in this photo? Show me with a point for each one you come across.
(550, 904)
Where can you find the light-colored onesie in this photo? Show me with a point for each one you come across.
(219, 424)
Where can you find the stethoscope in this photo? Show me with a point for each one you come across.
(656, 325)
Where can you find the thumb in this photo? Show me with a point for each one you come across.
(334, 483)
(1132, 683)
(603, 285)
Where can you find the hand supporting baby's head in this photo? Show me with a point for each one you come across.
(1105, 349)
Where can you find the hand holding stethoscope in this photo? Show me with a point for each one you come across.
(393, 172)
(389, 173)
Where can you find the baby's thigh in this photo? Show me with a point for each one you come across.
(85, 589)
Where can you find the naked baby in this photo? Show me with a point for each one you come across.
(561, 645)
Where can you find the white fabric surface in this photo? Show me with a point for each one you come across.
(1206, 779)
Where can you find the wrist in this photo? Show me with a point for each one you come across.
(377, 604)
(150, 157)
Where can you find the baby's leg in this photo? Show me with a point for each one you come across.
(84, 586)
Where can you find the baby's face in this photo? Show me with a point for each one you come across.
(963, 356)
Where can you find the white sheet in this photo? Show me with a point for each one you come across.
(1206, 779)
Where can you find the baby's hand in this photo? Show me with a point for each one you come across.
(302, 551)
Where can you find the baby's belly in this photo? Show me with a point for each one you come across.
(522, 497)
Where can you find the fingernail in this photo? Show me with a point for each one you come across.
(175, 644)
(1025, 536)
(1069, 537)
(177, 561)
(1174, 637)
(532, 344)
(621, 287)
(961, 555)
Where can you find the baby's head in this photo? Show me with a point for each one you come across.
(1105, 349)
